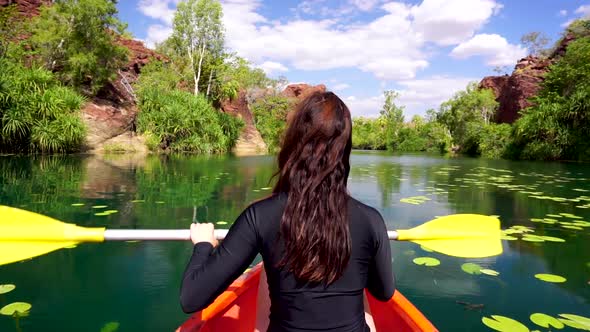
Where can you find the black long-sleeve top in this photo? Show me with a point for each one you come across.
(294, 307)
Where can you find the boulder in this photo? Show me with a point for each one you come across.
(514, 92)
(302, 90)
(250, 141)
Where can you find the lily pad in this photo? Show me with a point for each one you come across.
(504, 324)
(552, 239)
(138, 201)
(578, 228)
(78, 204)
(550, 277)
(15, 309)
(221, 222)
(575, 321)
(546, 321)
(99, 206)
(471, 268)
(110, 327)
(6, 288)
(508, 237)
(426, 249)
(101, 214)
(426, 261)
(71, 246)
(111, 211)
(159, 202)
(489, 272)
(532, 238)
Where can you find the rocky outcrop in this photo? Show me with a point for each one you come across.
(27, 8)
(250, 141)
(514, 92)
(302, 90)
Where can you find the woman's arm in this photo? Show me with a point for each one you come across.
(209, 272)
(381, 281)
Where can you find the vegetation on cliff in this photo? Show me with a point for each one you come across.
(177, 99)
(555, 127)
(37, 112)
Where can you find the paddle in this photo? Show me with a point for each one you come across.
(25, 234)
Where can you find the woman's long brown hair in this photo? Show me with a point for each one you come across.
(313, 171)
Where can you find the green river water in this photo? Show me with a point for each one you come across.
(136, 284)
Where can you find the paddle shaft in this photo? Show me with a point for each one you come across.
(170, 234)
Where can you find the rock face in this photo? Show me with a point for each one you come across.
(302, 90)
(250, 141)
(28, 8)
(514, 91)
(110, 116)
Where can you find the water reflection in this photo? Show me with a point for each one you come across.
(122, 281)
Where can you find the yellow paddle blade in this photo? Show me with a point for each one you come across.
(25, 234)
(460, 235)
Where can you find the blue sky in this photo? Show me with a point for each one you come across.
(426, 50)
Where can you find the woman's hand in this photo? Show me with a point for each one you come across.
(203, 233)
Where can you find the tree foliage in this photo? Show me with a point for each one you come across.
(558, 125)
(270, 118)
(37, 113)
(472, 105)
(198, 34)
(393, 117)
(535, 42)
(76, 39)
(179, 121)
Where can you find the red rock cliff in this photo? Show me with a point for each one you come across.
(514, 91)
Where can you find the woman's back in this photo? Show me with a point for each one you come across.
(320, 247)
(295, 306)
(338, 306)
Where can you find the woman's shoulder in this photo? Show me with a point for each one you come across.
(368, 212)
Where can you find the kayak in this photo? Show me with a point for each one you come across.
(235, 310)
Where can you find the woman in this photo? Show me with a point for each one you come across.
(321, 248)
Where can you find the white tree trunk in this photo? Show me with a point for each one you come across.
(201, 56)
(190, 55)
(209, 83)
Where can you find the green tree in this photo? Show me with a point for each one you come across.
(557, 126)
(473, 105)
(393, 116)
(10, 27)
(76, 38)
(37, 113)
(198, 33)
(270, 118)
(535, 42)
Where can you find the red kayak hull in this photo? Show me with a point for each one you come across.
(235, 310)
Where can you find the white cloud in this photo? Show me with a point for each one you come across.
(563, 12)
(584, 11)
(416, 96)
(157, 33)
(340, 87)
(364, 5)
(386, 47)
(158, 9)
(421, 94)
(494, 48)
(366, 107)
(448, 22)
(391, 46)
(271, 67)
